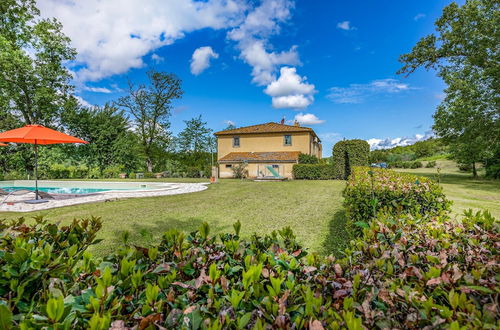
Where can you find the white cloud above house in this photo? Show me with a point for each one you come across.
(358, 93)
(200, 60)
(388, 143)
(308, 119)
(290, 90)
(252, 40)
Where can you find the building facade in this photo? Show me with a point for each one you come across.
(267, 150)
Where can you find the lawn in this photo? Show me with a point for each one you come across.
(465, 191)
(313, 209)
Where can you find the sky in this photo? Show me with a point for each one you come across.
(331, 65)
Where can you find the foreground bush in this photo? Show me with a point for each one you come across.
(315, 172)
(370, 191)
(403, 273)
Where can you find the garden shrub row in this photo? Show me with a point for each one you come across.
(404, 272)
(413, 164)
(370, 191)
(315, 172)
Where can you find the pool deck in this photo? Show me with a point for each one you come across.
(16, 203)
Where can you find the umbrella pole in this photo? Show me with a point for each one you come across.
(36, 171)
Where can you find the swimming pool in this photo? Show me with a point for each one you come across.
(82, 187)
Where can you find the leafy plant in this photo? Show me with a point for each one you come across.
(404, 272)
(315, 172)
(370, 191)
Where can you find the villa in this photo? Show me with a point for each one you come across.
(269, 150)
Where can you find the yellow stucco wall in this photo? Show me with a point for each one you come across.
(302, 142)
(255, 170)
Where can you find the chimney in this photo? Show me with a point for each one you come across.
(296, 123)
(282, 122)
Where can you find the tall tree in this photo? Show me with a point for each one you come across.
(196, 137)
(34, 83)
(464, 51)
(150, 106)
(107, 129)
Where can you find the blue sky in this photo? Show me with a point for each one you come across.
(329, 64)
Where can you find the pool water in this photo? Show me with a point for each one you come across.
(60, 190)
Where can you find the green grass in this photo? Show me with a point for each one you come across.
(313, 209)
(465, 191)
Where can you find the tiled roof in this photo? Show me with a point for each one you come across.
(265, 128)
(257, 157)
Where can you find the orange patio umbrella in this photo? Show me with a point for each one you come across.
(37, 135)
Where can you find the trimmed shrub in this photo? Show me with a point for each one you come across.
(400, 164)
(315, 172)
(308, 159)
(370, 191)
(405, 272)
(350, 153)
(431, 164)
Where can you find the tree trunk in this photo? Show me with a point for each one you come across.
(149, 164)
(474, 170)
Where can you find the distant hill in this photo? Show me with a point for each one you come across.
(429, 149)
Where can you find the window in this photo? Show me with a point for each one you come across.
(288, 140)
(229, 165)
(236, 141)
(276, 166)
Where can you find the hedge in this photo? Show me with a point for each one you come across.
(413, 164)
(350, 153)
(315, 172)
(308, 159)
(371, 190)
(406, 272)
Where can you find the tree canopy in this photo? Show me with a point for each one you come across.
(464, 51)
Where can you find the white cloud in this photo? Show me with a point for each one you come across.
(157, 58)
(98, 89)
(419, 16)
(290, 90)
(291, 102)
(200, 60)
(345, 25)
(330, 137)
(357, 93)
(388, 143)
(82, 101)
(229, 123)
(252, 38)
(113, 36)
(308, 119)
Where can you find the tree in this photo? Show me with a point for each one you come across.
(107, 129)
(466, 55)
(34, 83)
(196, 137)
(150, 106)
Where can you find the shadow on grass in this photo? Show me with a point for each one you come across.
(338, 237)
